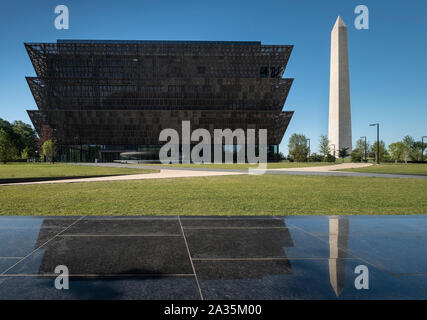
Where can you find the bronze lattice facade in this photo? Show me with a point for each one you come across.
(102, 98)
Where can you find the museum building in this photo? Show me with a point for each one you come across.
(105, 99)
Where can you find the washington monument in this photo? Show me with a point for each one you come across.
(339, 134)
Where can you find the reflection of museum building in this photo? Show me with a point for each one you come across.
(99, 99)
(69, 252)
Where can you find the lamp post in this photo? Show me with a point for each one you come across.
(308, 148)
(422, 148)
(378, 141)
(53, 142)
(364, 137)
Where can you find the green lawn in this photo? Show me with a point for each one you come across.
(227, 195)
(245, 166)
(46, 170)
(396, 168)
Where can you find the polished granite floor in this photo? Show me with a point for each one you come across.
(311, 257)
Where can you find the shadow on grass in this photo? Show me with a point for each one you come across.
(37, 179)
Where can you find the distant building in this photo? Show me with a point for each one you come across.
(99, 99)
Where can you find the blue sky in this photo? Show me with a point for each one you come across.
(388, 62)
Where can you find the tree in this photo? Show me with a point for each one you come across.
(26, 138)
(49, 150)
(22, 136)
(324, 145)
(416, 153)
(396, 150)
(360, 149)
(25, 154)
(408, 143)
(356, 155)
(298, 148)
(343, 153)
(6, 126)
(7, 149)
(383, 151)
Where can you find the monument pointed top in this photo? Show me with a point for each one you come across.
(339, 23)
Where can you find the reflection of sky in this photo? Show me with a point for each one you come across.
(18, 236)
(20, 222)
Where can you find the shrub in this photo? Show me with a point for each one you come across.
(49, 150)
(330, 158)
(315, 158)
(355, 156)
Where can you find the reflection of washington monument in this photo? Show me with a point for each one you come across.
(338, 241)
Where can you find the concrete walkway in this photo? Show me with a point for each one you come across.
(163, 174)
(175, 172)
(176, 168)
(311, 171)
(326, 168)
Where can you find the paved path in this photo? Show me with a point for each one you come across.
(163, 174)
(326, 168)
(312, 171)
(176, 172)
(166, 167)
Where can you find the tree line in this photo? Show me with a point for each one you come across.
(19, 141)
(408, 149)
